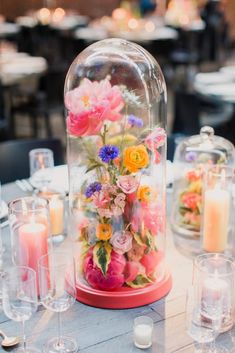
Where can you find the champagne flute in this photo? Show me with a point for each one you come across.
(204, 321)
(57, 293)
(19, 297)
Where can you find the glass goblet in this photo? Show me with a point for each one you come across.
(57, 293)
(203, 324)
(19, 298)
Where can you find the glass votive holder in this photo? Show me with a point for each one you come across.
(217, 206)
(30, 230)
(214, 280)
(56, 204)
(40, 162)
(143, 332)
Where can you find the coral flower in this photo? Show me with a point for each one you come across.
(103, 231)
(191, 200)
(135, 158)
(90, 104)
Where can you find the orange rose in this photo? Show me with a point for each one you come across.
(143, 193)
(104, 231)
(135, 158)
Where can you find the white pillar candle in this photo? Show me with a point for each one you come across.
(143, 332)
(216, 290)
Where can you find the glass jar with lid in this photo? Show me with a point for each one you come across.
(192, 157)
(115, 96)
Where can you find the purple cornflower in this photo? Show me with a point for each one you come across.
(92, 188)
(135, 121)
(108, 153)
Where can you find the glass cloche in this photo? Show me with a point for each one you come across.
(115, 97)
(192, 156)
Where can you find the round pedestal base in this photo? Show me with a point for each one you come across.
(124, 298)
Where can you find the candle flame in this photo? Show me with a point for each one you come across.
(41, 161)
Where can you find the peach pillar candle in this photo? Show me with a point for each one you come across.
(216, 220)
(33, 243)
(56, 208)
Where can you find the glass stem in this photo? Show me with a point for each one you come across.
(24, 336)
(59, 330)
(212, 347)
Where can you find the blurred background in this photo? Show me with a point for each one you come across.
(193, 40)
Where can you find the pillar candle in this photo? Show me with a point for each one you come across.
(216, 220)
(56, 207)
(216, 290)
(33, 243)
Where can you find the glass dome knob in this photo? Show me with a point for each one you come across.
(207, 132)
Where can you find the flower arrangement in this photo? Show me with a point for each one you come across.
(190, 198)
(119, 212)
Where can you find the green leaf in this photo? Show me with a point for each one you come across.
(102, 255)
(150, 241)
(138, 239)
(93, 166)
(140, 281)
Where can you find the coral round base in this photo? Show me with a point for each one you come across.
(124, 298)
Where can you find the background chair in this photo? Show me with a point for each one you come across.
(14, 157)
(186, 113)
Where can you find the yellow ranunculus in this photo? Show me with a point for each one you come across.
(103, 231)
(143, 193)
(120, 140)
(135, 158)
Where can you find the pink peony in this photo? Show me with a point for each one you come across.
(90, 104)
(151, 260)
(114, 277)
(121, 241)
(132, 269)
(84, 124)
(127, 183)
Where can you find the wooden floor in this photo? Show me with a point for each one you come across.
(110, 331)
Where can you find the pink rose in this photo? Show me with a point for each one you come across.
(90, 104)
(127, 183)
(121, 241)
(114, 277)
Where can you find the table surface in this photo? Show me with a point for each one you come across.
(110, 331)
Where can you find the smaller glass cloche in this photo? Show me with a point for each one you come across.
(192, 156)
